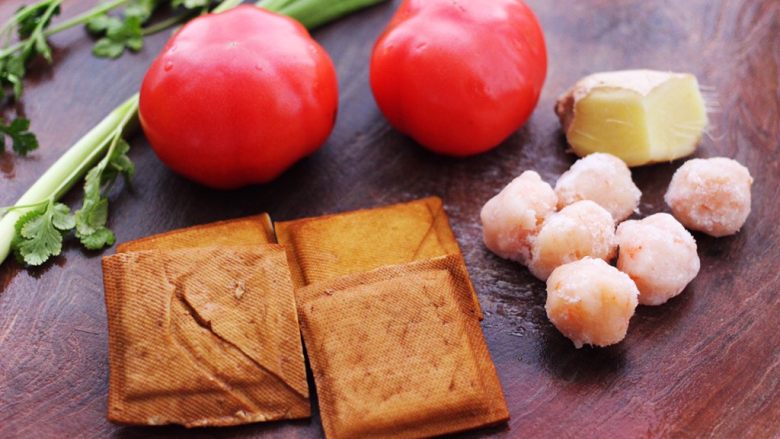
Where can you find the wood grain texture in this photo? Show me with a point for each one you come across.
(706, 364)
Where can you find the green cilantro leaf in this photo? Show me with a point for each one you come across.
(41, 47)
(93, 214)
(61, 217)
(92, 183)
(12, 70)
(100, 238)
(29, 21)
(125, 33)
(119, 163)
(102, 23)
(39, 233)
(91, 222)
(120, 35)
(24, 141)
(92, 218)
(105, 48)
(17, 239)
(142, 9)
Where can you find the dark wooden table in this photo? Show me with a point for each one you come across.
(706, 364)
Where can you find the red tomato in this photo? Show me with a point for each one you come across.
(459, 76)
(238, 97)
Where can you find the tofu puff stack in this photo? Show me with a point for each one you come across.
(203, 328)
(390, 321)
(204, 325)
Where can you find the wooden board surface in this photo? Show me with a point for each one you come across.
(706, 364)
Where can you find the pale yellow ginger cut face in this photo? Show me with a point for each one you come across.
(640, 116)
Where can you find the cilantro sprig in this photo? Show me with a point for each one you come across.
(116, 34)
(37, 225)
(91, 219)
(29, 25)
(18, 131)
(39, 232)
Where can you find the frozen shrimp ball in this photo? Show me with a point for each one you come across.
(591, 302)
(514, 215)
(659, 255)
(579, 230)
(711, 195)
(602, 178)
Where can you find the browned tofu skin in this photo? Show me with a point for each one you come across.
(203, 337)
(397, 352)
(242, 231)
(332, 246)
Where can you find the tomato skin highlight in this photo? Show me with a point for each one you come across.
(459, 76)
(237, 98)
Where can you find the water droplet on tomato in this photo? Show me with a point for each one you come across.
(258, 67)
(168, 66)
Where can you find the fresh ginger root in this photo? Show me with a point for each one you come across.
(641, 116)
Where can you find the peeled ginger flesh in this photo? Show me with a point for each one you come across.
(641, 116)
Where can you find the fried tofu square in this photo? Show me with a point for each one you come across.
(255, 229)
(203, 337)
(397, 352)
(332, 246)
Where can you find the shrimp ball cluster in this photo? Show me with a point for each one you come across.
(711, 195)
(659, 255)
(512, 217)
(602, 178)
(578, 230)
(588, 300)
(591, 302)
